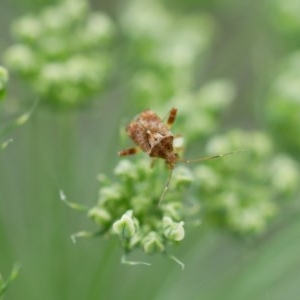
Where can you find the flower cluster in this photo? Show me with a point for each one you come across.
(162, 62)
(129, 207)
(242, 192)
(63, 52)
(239, 193)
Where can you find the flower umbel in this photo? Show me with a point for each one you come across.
(129, 208)
(63, 52)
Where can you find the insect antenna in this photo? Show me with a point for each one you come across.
(188, 161)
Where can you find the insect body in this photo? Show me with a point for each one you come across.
(154, 137)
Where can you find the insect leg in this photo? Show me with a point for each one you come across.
(166, 187)
(153, 161)
(129, 151)
(172, 117)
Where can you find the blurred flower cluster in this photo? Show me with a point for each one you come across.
(64, 52)
(163, 50)
(241, 192)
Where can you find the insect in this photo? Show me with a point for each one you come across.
(153, 136)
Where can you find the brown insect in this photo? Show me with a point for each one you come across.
(154, 137)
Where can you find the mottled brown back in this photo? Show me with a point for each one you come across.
(145, 123)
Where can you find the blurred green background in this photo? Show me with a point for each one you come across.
(128, 56)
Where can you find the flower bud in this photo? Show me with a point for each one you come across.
(125, 227)
(153, 243)
(22, 58)
(173, 231)
(125, 168)
(99, 215)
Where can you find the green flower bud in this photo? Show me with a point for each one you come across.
(28, 28)
(173, 231)
(141, 203)
(100, 215)
(126, 168)
(153, 243)
(125, 227)
(99, 29)
(21, 58)
(284, 174)
(110, 193)
(173, 209)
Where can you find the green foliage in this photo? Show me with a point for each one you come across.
(19, 121)
(3, 82)
(285, 15)
(63, 52)
(13, 275)
(284, 104)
